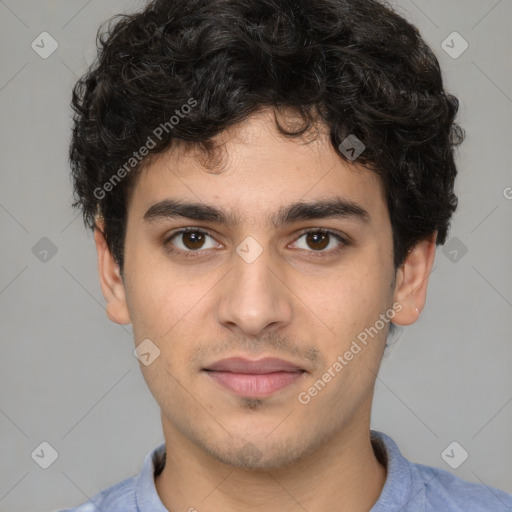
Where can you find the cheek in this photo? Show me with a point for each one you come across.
(347, 299)
(158, 297)
(351, 304)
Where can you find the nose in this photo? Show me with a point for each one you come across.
(254, 296)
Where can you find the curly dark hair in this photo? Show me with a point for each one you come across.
(355, 65)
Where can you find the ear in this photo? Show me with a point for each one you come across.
(412, 281)
(112, 284)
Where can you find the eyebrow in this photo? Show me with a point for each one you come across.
(321, 209)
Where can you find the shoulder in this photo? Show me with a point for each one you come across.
(118, 498)
(446, 491)
(418, 487)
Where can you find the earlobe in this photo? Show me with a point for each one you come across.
(111, 282)
(412, 281)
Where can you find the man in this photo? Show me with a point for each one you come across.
(267, 182)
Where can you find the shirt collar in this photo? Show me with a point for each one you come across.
(146, 496)
(398, 486)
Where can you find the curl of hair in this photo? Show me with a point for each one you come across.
(355, 65)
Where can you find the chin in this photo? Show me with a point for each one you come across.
(258, 455)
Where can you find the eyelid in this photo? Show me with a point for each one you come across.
(343, 239)
(189, 229)
(329, 231)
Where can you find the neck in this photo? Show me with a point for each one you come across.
(343, 474)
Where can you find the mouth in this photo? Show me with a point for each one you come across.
(254, 378)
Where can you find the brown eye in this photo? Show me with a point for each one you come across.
(193, 240)
(188, 241)
(317, 240)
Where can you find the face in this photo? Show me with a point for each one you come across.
(273, 282)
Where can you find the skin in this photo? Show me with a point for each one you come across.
(297, 301)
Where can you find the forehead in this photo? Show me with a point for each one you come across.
(257, 171)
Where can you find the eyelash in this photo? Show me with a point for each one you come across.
(195, 254)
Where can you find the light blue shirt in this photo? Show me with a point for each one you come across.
(409, 487)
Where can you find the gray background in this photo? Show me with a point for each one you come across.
(68, 375)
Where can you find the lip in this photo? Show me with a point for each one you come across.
(254, 378)
(258, 366)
